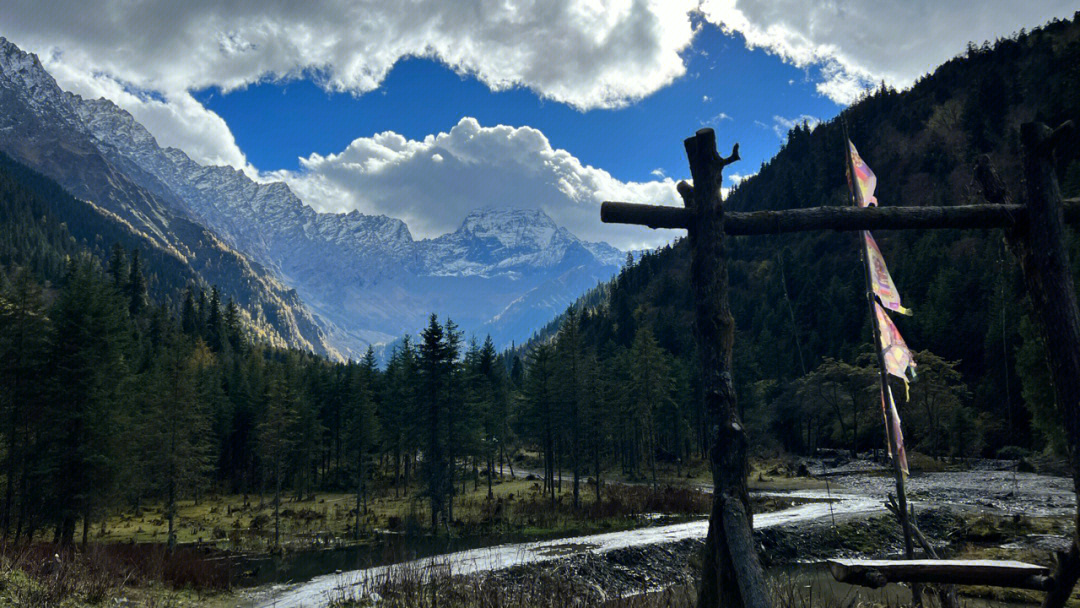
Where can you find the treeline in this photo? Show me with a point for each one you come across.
(111, 400)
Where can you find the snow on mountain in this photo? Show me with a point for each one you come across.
(364, 274)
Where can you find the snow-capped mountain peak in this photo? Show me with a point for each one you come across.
(365, 274)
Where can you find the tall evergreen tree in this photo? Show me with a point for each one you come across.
(88, 353)
(24, 338)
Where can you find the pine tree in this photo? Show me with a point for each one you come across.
(277, 434)
(540, 395)
(84, 425)
(650, 392)
(361, 429)
(401, 410)
(434, 366)
(23, 350)
(188, 316)
(176, 423)
(234, 328)
(215, 323)
(136, 286)
(569, 351)
(118, 268)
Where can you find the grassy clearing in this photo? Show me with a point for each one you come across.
(517, 507)
(983, 536)
(245, 522)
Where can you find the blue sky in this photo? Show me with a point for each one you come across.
(428, 109)
(737, 91)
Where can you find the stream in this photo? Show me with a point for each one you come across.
(857, 494)
(315, 591)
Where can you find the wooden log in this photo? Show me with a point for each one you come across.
(836, 218)
(876, 573)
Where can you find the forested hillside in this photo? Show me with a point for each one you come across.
(803, 336)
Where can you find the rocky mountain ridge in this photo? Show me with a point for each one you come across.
(503, 271)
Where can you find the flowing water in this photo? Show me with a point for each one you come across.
(858, 495)
(316, 591)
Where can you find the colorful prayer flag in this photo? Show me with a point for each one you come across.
(865, 181)
(894, 350)
(880, 280)
(886, 396)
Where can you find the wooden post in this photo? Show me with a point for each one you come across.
(1040, 245)
(732, 575)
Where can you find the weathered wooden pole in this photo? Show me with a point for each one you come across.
(1040, 246)
(738, 223)
(732, 575)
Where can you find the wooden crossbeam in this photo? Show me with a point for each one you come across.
(835, 218)
(1005, 573)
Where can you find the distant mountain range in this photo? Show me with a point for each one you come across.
(355, 279)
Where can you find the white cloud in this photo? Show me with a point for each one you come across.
(498, 166)
(657, 172)
(705, 99)
(782, 125)
(719, 118)
(738, 178)
(858, 44)
(585, 53)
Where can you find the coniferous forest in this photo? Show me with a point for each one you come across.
(129, 383)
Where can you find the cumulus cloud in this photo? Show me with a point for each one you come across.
(585, 53)
(148, 56)
(857, 44)
(497, 166)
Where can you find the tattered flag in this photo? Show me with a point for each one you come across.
(865, 181)
(880, 279)
(898, 359)
(891, 414)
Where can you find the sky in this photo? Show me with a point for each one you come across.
(426, 110)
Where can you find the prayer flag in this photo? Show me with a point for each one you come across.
(864, 182)
(901, 457)
(880, 280)
(894, 350)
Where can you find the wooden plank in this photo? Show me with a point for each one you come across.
(1004, 573)
(836, 218)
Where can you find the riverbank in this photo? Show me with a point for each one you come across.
(666, 574)
(642, 546)
(852, 523)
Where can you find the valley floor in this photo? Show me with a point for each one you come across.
(977, 510)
